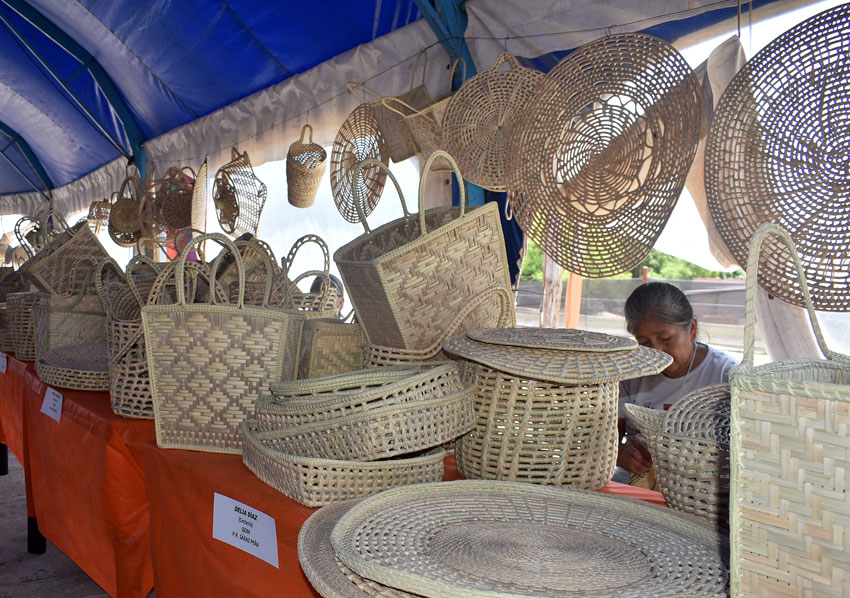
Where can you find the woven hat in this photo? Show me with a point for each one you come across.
(599, 159)
(359, 138)
(777, 151)
(565, 356)
(477, 538)
(321, 566)
(481, 115)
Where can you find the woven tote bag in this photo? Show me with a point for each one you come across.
(408, 278)
(208, 362)
(52, 272)
(330, 346)
(790, 511)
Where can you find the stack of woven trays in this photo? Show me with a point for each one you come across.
(506, 539)
(689, 445)
(327, 439)
(546, 402)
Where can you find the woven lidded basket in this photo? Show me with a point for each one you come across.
(306, 162)
(22, 323)
(330, 346)
(410, 277)
(503, 539)
(315, 482)
(777, 152)
(481, 115)
(546, 402)
(790, 461)
(689, 445)
(209, 361)
(598, 159)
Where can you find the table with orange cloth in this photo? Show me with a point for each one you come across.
(88, 486)
(188, 561)
(12, 385)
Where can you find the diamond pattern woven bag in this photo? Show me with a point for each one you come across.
(208, 362)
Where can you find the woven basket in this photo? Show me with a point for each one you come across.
(790, 463)
(316, 482)
(410, 277)
(599, 158)
(22, 323)
(98, 215)
(330, 346)
(171, 203)
(124, 225)
(52, 272)
(7, 344)
(238, 195)
(323, 299)
(305, 165)
(773, 155)
(208, 362)
(359, 138)
(689, 445)
(545, 403)
(481, 115)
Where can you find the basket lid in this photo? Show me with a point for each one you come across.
(562, 356)
(704, 414)
(499, 539)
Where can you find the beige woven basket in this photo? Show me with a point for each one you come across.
(545, 403)
(238, 195)
(689, 445)
(481, 115)
(208, 362)
(22, 323)
(316, 482)
(124, 224)
(317, 400)
(305, 165)
(325, 298)
(330, 346)
(410, 277)
(52, 272)
(7, 344)
(790, 462)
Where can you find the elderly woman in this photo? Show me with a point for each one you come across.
(659, 316)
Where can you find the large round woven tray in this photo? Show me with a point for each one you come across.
(359, 138)
(599, 158)
(778, 151)
(317, 482)
(325, 571)
(500, 539)
(480, 117)
(571, 357)
(82, 367)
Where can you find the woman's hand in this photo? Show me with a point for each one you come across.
(634, 456)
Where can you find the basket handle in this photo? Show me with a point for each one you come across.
(445, 155)
(228, 245)
(770, 228)
(136, 261)
(360, 91)
(502, 59)
(423, 55)
(303, 129)
(286, 263)
(128, 345)
(381, 165)
(98, 280)
(131, 182)
(388, 104)
(326, 284)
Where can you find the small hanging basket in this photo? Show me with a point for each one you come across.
(238, 195)
(305, 166)
(124, 225)
(98, 215)
(172, 202)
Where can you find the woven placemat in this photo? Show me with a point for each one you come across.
(559, 365)
(562, 339)
(325, 571)
(598, 160)
(499, 539)
(777, 151)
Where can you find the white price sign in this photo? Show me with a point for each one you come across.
(52, 404)
(244, 527)
(3, 363)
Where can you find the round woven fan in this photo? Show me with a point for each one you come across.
(359, 138)
(597, 162)
(125, 227)
(779, 151)
(481, 115)
(238, 195)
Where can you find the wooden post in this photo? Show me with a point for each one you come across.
(573, 307)
(550, 304)
(644, 275)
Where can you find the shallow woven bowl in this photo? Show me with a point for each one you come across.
(598, 160)
(778, 151)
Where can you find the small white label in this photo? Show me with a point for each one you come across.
(244, 527)
(52, 404)
(3, 362)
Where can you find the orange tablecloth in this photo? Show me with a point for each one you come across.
(88, 486)
(12, 385)
(189, 562)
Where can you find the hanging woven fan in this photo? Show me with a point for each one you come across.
(359, 138)
(778, 150)
(481, 115)
(238, 195)
(597, 162)
(125, 226)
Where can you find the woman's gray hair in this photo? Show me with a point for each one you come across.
(660, 300)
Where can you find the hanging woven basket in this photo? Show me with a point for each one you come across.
(238, 195)
(124, 225)
(305, 165)
(597, 162)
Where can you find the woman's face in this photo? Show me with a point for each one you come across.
(677, 341)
